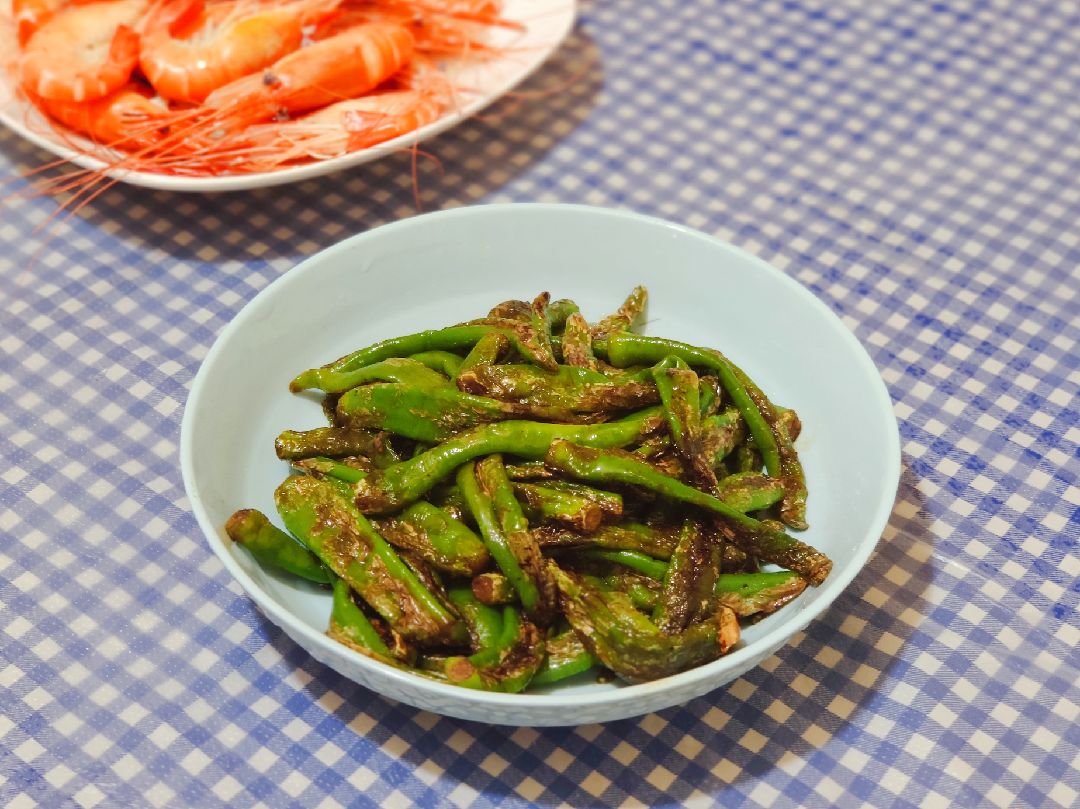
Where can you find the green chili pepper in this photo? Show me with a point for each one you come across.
(491, 475)
(567, 389)
(392, 488)
(487, 351)
(635, 560)
(485, 622)
(274, 548)
(329, 468)
(507, 666)
(436, 537)
(445, 362)
(349, 625)
(496, 540)
(338, 375)
(749, 491)
(628, 643)
(547, 503)
(624, 536)
(759, 540)
(538, 318)
(420, 413)
(753, 593)
(511, 310)
(390, 369)
(566, 656)
(626, 317)
(689, 579)
(577, 343)
(558, 312)
(623, 348)
(333, 442)
(721, 433)
(316, 512)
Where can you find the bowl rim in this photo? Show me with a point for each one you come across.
(772, 639)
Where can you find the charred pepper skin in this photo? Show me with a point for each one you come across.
(341, 374)
(390, 489)
(753, 593)
(438, 538)
(577, 343)
(544, 503)
(568, 389)
(745, 594)
(274, 548)
(762, 541)
(536, 588)
(566, 656)
(624, 536)
(493, 589)
(628, 643)
(622, 348)
(391, 368)
(316, 512)
(487, 351)
(350, 626)
(433, 414)
(626, 317)
(750, 491)
(686, 593)
(508, 665)
(330, 442)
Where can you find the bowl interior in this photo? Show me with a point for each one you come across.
(443, 268)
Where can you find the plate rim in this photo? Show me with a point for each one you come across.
(773, 639)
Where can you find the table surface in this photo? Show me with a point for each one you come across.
(914, 164)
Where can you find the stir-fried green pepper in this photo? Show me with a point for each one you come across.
(548, 503)
(508, 665)
(273, 547)
(396, 486)
(577, 343)
(331, 442)
(631, 645)
(436, 537)
(565, 656)
(345, 541)
(350, 626)
(755, 538)
(447, 561)
(689, 579)
(568, 389)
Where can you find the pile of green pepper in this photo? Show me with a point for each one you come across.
(511, 501)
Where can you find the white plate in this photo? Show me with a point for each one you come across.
(547, 24)
(442, 268)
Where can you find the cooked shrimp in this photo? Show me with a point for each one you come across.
(189, 49)
(340, 128)
(342, 66)
(83, 52)
(29, 15)
(128, 118)
(440, 29)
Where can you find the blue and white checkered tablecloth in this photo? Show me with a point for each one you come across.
(915, 164)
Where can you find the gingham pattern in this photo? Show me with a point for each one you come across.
(913, 163)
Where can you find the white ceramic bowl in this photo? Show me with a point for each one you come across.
(442, 268)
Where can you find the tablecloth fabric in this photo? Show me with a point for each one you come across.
(914, 164)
